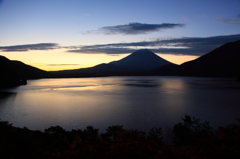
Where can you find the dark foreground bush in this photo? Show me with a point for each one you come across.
(190, 139)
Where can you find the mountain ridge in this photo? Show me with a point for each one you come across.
(14, 73)
(9, 75)
(28, 71)
(220, 62)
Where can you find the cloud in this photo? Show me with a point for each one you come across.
(27, 47)
(185, 46)
(134, 28)
(230, 21)
(176, 45)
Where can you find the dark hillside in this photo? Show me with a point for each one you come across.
(29, 72)
(9, 75)
(221, 62)
(95, 71)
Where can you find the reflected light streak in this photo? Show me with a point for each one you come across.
(176, 97)
(175, 84)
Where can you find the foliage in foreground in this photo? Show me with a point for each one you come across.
(190, 139)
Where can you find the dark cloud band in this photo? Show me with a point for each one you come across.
(27, 47)
(231, 21)
(135, 28)
(184, 46)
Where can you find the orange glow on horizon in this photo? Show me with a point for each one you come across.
(54, 60)
(178, 59)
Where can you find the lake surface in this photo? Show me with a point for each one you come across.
(134, 102)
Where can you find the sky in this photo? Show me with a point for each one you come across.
(71, 34)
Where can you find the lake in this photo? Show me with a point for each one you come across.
(134, 102)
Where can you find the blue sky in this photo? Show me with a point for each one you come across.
(67, 34)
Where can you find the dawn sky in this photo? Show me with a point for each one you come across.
(70, 34)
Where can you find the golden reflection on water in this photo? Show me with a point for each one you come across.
(176, 96)
(175, 84)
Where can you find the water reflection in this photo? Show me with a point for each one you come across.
(7, 110)
(174, 83)
(135, 102)
(141, 82)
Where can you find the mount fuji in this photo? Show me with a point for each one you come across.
(136, 63)
(141, 60)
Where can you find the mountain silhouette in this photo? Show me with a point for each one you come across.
(9, 75)
(95, 71)
(141, 60)
(220, 62)
(166, 70)
(135, 64)
(15, 73)
(29, 72)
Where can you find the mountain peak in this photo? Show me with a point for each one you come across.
(144, 52)
(141, 60)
